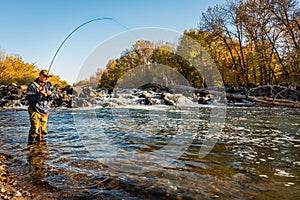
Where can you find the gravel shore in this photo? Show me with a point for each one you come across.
(11, 189)
(8, 185)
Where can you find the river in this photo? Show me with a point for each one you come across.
(159, 152)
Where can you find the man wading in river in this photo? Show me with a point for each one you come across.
(39, 94)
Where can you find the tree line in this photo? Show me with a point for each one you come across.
(252, 43)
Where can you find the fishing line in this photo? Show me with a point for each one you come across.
(81, 25)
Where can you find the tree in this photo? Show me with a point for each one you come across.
(261, 36)
(14, 70)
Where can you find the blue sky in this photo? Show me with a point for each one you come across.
(34, 29)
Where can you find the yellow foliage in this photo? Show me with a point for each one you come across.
(14, 70)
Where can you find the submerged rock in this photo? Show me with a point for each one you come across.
(8, 184)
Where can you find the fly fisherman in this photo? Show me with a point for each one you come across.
(39, 94)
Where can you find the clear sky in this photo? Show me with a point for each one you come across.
(34, 29)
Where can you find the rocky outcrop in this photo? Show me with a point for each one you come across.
(73, 97)
(12, 95)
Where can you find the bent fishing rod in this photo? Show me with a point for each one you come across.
(83, 24)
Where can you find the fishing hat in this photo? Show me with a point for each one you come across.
(45, 73)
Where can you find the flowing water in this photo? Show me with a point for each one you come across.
(159, 152)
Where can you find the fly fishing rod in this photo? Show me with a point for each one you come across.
(83, 24)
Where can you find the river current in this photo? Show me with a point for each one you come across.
(159, 152)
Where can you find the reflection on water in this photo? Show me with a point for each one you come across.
(38, 155)
(255, 157)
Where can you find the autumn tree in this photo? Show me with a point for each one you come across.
(261, 37)
(14, 70)
(286, 14)
(139, 54)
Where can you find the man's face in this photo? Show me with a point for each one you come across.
(43, 78)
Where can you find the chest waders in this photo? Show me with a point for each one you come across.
(38, 123)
